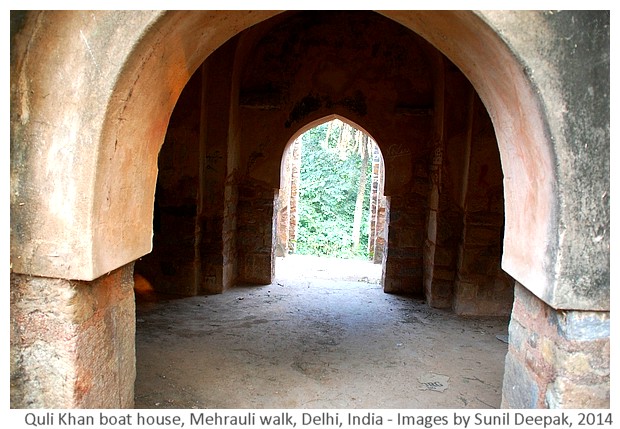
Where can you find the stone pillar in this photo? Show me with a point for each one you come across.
(229, 229)
(256, 223)
(406, 236)
(447, 169)
(377, 236)
(407, 167)
(556, 358)
(72, 342)
(482, 288)
(216, 196)
(437, 295)
(437, 286)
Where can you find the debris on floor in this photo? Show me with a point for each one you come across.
(435, 382)
(502, 338)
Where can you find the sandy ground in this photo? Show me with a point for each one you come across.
(323, 335)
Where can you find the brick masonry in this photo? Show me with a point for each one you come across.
(556, 358)
(288, 197)
(378, 229)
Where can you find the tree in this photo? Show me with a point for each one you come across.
(334, 191)
(361, 190)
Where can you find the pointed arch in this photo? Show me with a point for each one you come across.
(315, 123)
(289, 181)
(101, 153)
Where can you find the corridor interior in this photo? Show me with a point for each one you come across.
(323, 335)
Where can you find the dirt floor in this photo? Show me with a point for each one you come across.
(323, 335)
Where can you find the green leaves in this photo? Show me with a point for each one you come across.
(327, 193)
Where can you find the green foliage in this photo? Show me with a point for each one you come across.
(327, 194)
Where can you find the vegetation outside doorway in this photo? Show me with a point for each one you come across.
(331, 203)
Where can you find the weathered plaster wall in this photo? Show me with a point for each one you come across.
(61, 114)
(514, 71)
(118, 75)
(326, 68)
(567, 54)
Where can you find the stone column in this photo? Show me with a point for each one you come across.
(406, 236)
(215, 227)
(556, 358)
(437, 290)
(408, 207)
(436, 295)
(256, 222)
(481, 287)
(377, 236)
(72, 342)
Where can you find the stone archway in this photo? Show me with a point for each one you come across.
(86, 209)
(287, 215)
(127, 130)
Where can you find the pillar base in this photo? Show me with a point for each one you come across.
(556, 358)
(73, 342)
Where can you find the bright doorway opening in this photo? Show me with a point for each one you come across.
(331, 214)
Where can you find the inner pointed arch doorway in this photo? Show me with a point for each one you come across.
(331, 202)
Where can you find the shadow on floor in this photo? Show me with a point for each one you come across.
(323, 335)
